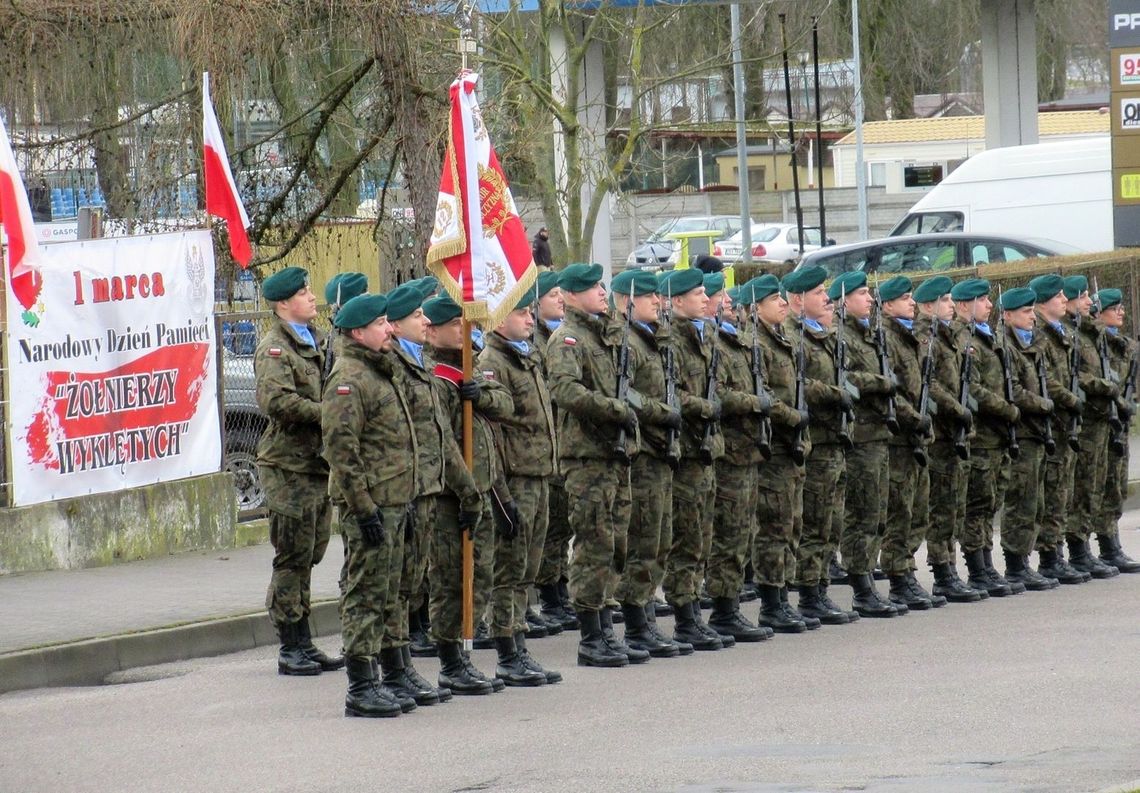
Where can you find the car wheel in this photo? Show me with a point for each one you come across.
(241, 461)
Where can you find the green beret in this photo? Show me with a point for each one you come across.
(634, 282)
(734, 295)
(1047, 286)
(803, 280)
(403, 301)
(1109, 298)
(970, 289)
(428, 285)
(759, 288)
(1074, 285)
(1020, 297)
(580, 277)
(894, 288)
(932, 288)
(360, 310)
(345, 286)
(847, 283)
(547, 280)
(441, 310)
(681, 281)
(283, 284)
(714, 282)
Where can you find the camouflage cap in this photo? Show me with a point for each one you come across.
(361, 310)
(403, 301)
(1017, 298)
(1075, 285)
(283, 284)
(970, 289)
(894, 288)
(932, 288)
(442, 309)
(579, 277)
(1047, 286)
(847, 283)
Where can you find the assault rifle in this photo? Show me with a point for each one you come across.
(672, 437)
(965, 400)
(1075, 384)
(1129, 398)
(1116, 443)
(885, 362)
(846, 416)
(799, 445)
(1007, 380)
(926, 407)
(1043, 386)
(711, 427)
(625, 374)
(760, 388)
(327, 370)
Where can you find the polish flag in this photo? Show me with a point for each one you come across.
(16, 216)
(222, 199)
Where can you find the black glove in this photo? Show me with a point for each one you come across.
(804, 421)
(924, 425)
(629, 422)
(846, 403)
(409, 522)
(469, 390)
(509, 526)
(468, 519)
(372, 529)
(672, 420)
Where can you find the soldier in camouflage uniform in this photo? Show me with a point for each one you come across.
(737, 471)
(1121, 353)
(825, 467)
(867, 486)
(989, 446)
(288, 364)
(909, 481)
(1024, 505)
(370, 444)
(529, 457)
(1097, 426)
(953, 425)
(458, 513)
(597, 439)
(1055, 341)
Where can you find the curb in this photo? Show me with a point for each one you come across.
(88, 662)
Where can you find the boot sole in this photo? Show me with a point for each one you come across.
(472, 692)
(608, 664)
(371, 714)
(801, 628)
(283, 670)
(747, 637)
(535, 683)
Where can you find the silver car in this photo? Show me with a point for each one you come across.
(771, 242)
(659, 250)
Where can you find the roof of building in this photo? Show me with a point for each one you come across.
(915, 130)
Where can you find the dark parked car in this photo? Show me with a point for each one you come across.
(244, 424)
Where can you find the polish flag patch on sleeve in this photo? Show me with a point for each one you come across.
(570, 340)
(344, 390)
(274, 352)
(487, 373)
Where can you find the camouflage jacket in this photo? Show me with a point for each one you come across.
(947, 380)
(648, 343)
(582, 360)
(863, 373)
(369, 434)
(1054, 342)
(494, 404)
(693, 353)
(1027, 392)
(288, 373)
(740, 407)
(780, 364)
(542, 334)
(822, 392)
(1121, 350)
(1099, 390)
(905, 351)
(526, 437)
(987, 387)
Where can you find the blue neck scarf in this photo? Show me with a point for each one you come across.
(906, 323)
(413, 349)
(644, 326)
(1024, 336)
(477, 339)
(984, 327)
(813, 324)
(945, 323)
(522, 346)
(699, 324)
(866, 323)
(1112, 331)
(552, 324)
(1057, 326)
(728, 327)
(302, 330)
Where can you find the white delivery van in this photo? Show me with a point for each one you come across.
(1060, 191)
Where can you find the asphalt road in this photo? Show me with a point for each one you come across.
(1035, 693)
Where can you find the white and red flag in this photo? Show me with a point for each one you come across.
(479, 249)
(222, 199)
(23, 249)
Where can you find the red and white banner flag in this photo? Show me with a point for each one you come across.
(222, 199)
(479, 249)
(24, 258)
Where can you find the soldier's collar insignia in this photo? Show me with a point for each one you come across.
(275, 352)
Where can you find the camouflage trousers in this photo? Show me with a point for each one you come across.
(1059, 470)
(866, 505)
(1115, 490)
(822, 498)
(948, 478)
(1088, 488)
(694, 496)
(987, 476)
(517, 560)
(779, 504)
(445, 568)
(904, 530)
(368, 576)
(650, 530)
(556, 548)
(599, 498)
(412, 573)
(1024, 499)
(300, 523)
(734, 514)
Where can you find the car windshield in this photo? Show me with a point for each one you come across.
(678, 225)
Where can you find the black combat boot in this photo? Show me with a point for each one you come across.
(454, 675)
(831, 605)
(1081, 558)
(535, 629)
(496, 682)
(866, 599)
(635, 656)
(551, 602)
(727, 620)
(1015, 588)
(482, 639)
(511, 669)
(703, 627)
(683, 648)
(1017, 569)
(420, 644)
(982, 594)
(812, 623)
(535, 617)
(748, 592)
(773, 614)
(292, 658)
(836, 573)
(395, 677)
(639, 636)
(419, 680)
(687, 630)
(1112, 554)
(978, 577)
(314, 653)
(660, 607)
(593, 649)
(948, 585)
(364, 697)
(902, 594)
(812, 605)
(1051, 564)
(551, 675)
(916, 590)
